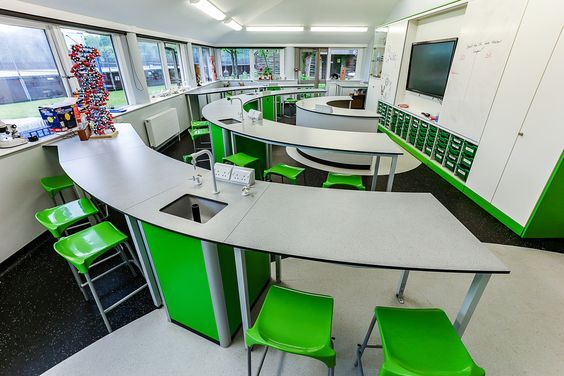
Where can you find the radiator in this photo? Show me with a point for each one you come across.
(162, 127)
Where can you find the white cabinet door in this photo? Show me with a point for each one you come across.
(538, 149)
(373, 93)
(533, 46)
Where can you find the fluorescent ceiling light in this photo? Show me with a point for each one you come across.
(233, 24)
(340, 29)
(275, 28)
(382, 29)
(209, 9)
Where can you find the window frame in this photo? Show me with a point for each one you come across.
(252, 70)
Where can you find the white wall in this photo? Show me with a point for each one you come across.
(22, 195)
(442, 26)
(408, 8)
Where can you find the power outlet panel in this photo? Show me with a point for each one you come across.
(243, 176)
(223, 171)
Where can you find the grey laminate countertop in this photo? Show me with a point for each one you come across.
(374, 229)
(310, 103)
(291, 135)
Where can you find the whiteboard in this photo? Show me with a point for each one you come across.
(485, 41)
(392, 61)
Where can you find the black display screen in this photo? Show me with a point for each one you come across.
(429, 67)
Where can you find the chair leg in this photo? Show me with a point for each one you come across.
(98, 303)
(78, 281)
(361, 348)
(126, 260)
(278, 264)
(249, 368)
(62, 197)
(331, 371)
(133, 256)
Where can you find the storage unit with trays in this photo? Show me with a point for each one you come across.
(452, 152)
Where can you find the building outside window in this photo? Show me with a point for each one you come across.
(152, 65)
(197, 71)
(343, 60)
(29, 76)
(174, 63)
(266, 62)
(236, 63)
(209, 64)
(107, 62)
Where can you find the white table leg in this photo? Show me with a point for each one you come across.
(470, 303)
(392, 173)
(241, 268)
(375, 168)
(401, 285)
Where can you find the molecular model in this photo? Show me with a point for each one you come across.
(92, 93)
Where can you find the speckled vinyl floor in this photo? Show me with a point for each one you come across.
(44, 319)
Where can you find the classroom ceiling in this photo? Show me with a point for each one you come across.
(178, 17)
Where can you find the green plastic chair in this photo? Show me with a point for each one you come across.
(196, 124)
(58, 219)
(243, 160)
(56, 184)
(295, 322)
(187, 158)
(419, 341)
(83, 248)
(335, 180)
(284, 171)
(197, 133)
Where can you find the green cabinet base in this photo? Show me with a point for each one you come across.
(182, 276)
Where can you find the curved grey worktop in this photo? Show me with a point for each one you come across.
(290, 135)
(410, 231)
(310, 103)
(237, 87)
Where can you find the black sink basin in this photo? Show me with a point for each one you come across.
(182, 207)
(230, 121)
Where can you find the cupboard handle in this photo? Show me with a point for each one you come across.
(521, 134)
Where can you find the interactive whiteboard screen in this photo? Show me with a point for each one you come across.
(429, 67)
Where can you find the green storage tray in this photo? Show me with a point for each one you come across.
(469, 149)
(454, 152)
(457, 140)
(450, 165)
(439, 157)
(441, 149)
(462, 173)
(466, 161)
(428, 150)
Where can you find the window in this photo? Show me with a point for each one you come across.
(343, 63)
(29, 76)
(107, 63)
(313, 64)
(173, 62)
(236, 63)
(152, 65)
(197, 71)
(266, 63)
(209, 64)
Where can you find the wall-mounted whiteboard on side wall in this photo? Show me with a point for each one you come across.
(484, 45)
(392, 60)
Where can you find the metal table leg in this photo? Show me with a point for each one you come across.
(278, 264)
(401, 285)
(375, 167)
(392, 173)
(226, 142)
(470, 303)
(241, 268)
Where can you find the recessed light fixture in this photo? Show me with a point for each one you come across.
(340, 29)
(209, 9)
(383, 29)
(233, 24)
(275, 28)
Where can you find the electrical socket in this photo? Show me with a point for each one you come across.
(223, 171)
(243, 176)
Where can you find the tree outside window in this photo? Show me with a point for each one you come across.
(235, 63)
(267, 63)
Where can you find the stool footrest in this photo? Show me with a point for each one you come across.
(125, 298)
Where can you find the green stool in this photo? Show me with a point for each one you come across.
(83, 248)
(342, 180)
(197, 133)
(243, 160)
(56, 184)
(294, 322)
(284, 171)
(58, 219)
(420, 341)
(187, 158)
(196, 124)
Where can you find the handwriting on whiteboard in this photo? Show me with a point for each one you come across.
(481, 46)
